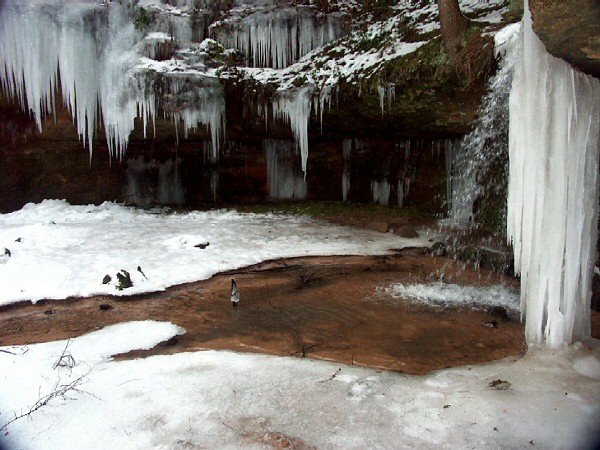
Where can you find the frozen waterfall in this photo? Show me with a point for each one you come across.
(553, 190)
(94, 54)
(485, 148)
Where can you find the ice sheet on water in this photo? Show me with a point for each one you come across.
(448, 294)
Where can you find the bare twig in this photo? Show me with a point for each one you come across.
(22, 350)
(65, 359)
(331, 377)
(58, 391)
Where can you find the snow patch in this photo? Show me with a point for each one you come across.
(68, 250)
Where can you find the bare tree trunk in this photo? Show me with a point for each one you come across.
(453, 25)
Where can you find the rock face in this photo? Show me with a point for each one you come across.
(570, 30)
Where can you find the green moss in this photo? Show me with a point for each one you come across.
(328, 210)
(141, 19)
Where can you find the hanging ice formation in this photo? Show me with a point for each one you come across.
(553, 190)
(170, 185)
(94, 51)
(295, 106)
(285, 181)
(485, 146)
(381, 192)
(386, 91)
(278, 38)
(347, 150)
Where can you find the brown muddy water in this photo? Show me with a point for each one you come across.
(330, 308)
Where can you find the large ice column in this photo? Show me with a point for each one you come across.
(553, 190)
(296, 106)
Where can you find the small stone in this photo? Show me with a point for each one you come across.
(107, 279)
(380, 227)
(123, 280)
(491, 324)
(202, 246)
(18, 240)
(105, 307)
(405, 232)
(5, 255)
(500, 312)
(499, 385)
(49, 312)
(172, 342)
(438, 249)
(446, 406)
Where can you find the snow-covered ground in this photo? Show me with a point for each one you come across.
(226, 400)
(59, 250)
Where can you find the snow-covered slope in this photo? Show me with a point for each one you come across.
(55, 250)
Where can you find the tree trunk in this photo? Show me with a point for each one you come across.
(453, 25)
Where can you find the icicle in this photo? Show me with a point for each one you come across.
(279, 37)
(381, 192)
(347, 150)
(93, 50)
(553, 190)
(285, 182)
(170, 186)
(381, 91)
(400, 193)
(295, 106)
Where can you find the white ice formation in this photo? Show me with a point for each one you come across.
(278, 37)
(286, 182)
(381, 191)
(553, 190)
(97, 57)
